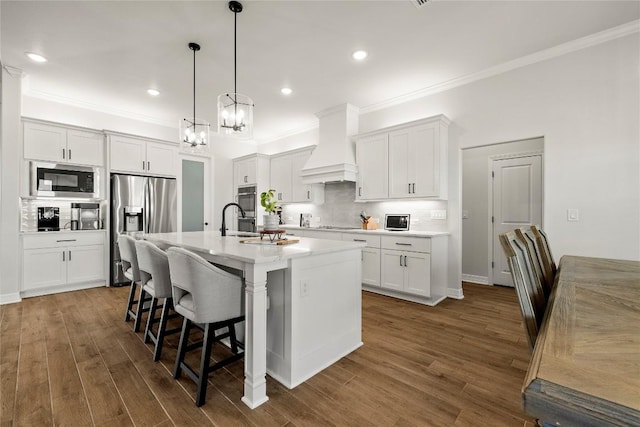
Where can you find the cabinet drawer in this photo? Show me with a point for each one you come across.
(372, 241)
(52, 240)
(400, 243)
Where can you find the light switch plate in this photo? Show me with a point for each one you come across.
(438, 214)
(573, 215)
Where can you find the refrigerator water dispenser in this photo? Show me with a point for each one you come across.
(133, 218)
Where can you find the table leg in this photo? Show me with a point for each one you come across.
(255, 358)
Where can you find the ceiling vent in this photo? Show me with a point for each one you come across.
(419, 3)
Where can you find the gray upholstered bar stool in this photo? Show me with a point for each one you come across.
(211, 299)
(155, 281)
(129, 257)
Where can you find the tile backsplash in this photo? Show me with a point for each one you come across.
(340, 209)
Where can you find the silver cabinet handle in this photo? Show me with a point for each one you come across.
(65, 240)
(359, 191)
(400, 260)
(359, 240)
(308, 194)
(405, 259)
(409, 190)
(63, 154)
(413, 187)
(148, 166)
(69, 150)
(403, 244)
(70, 256)
(143, 165)
(63, 255)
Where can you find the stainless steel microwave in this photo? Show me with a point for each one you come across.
(60, 180)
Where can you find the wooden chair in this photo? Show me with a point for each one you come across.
(546, 258)
(530, 294)
(156, 281)
(129, 257)
(210, 298)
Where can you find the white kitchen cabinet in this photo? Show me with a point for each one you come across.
(372, 154)
(319, 234)
(286, 179)
(142, 156)
(55, 262)
(414, 163)
(62, 145)
(406, 265)
(245, 171)
(370, 256)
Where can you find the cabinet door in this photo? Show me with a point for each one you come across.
(392, 270)
(85, 263)
(44, 142)
(371, 266)
(418, 273)
(299, 192)
(127, 155)
(245, 172)
(42, 268)
(423, 161)
(399, 184)
(373, 168)
(162, 159)
(85, 148)
(281, 178)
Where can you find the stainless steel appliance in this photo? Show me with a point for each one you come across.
(140, 204)
(248, 200)
(396, 222)
(48, 218)
(88, 216)
(59, 180)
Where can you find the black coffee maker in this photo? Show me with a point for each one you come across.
(48, 218)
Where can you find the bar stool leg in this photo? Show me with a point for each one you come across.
(151, 319)
(140, 309)
(209, 336)
(182, 347)
(162, 328)
(131, 301)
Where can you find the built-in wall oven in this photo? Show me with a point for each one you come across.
(248, 200)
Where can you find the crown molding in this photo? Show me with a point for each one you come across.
(543, 55)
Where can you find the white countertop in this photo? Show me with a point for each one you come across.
(409, 233)
(229, 246)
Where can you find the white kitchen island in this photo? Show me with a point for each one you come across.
(303, 303)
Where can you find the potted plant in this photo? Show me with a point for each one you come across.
(270, 204)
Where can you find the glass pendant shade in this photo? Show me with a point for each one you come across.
(235, 115)
(194, 132)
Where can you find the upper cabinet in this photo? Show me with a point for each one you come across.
(142, 156)
(245, 171)
(403, 162)
(62, 144)
(287, 182)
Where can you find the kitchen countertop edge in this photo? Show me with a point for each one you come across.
(377, 232)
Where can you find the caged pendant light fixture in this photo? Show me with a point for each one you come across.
(235, 111)
(194, 132)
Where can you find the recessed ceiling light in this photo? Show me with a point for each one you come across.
(35, 57)
(286, 91)
(153, 92)
(359, 55)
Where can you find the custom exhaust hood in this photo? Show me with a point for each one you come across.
(333, 159)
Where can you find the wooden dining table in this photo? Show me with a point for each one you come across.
(585, 367)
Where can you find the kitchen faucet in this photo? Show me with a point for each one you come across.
(223, 229)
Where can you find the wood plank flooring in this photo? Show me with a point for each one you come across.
(70, 359)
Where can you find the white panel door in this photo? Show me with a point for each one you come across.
(373, 167)
(418, 273)
(44, 268)
(399, 185)
(517, 202)
(371, 266)
(85, 148)
(127, 155)
(162, 159)
(85, 263)
(44, 142)
(392, 270)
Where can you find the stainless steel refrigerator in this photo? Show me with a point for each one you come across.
(140, 204)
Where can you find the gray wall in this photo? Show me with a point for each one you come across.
(475, 201)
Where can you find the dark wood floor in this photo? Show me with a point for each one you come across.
(70, 359)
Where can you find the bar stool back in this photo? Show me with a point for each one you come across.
(204, 294)
(156, 281)
(131, 270)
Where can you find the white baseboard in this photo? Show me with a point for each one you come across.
(455, 293)
(10, 298)
(482, 280)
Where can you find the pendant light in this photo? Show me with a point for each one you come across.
(235, 111)
(194, 132)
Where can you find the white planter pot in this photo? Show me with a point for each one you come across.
(270, 222)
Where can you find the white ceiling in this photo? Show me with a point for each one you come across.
(106, 54)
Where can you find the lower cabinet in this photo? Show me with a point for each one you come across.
(62, 261)
(406, 271)
(370, 256)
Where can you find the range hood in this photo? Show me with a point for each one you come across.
(333, 159)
